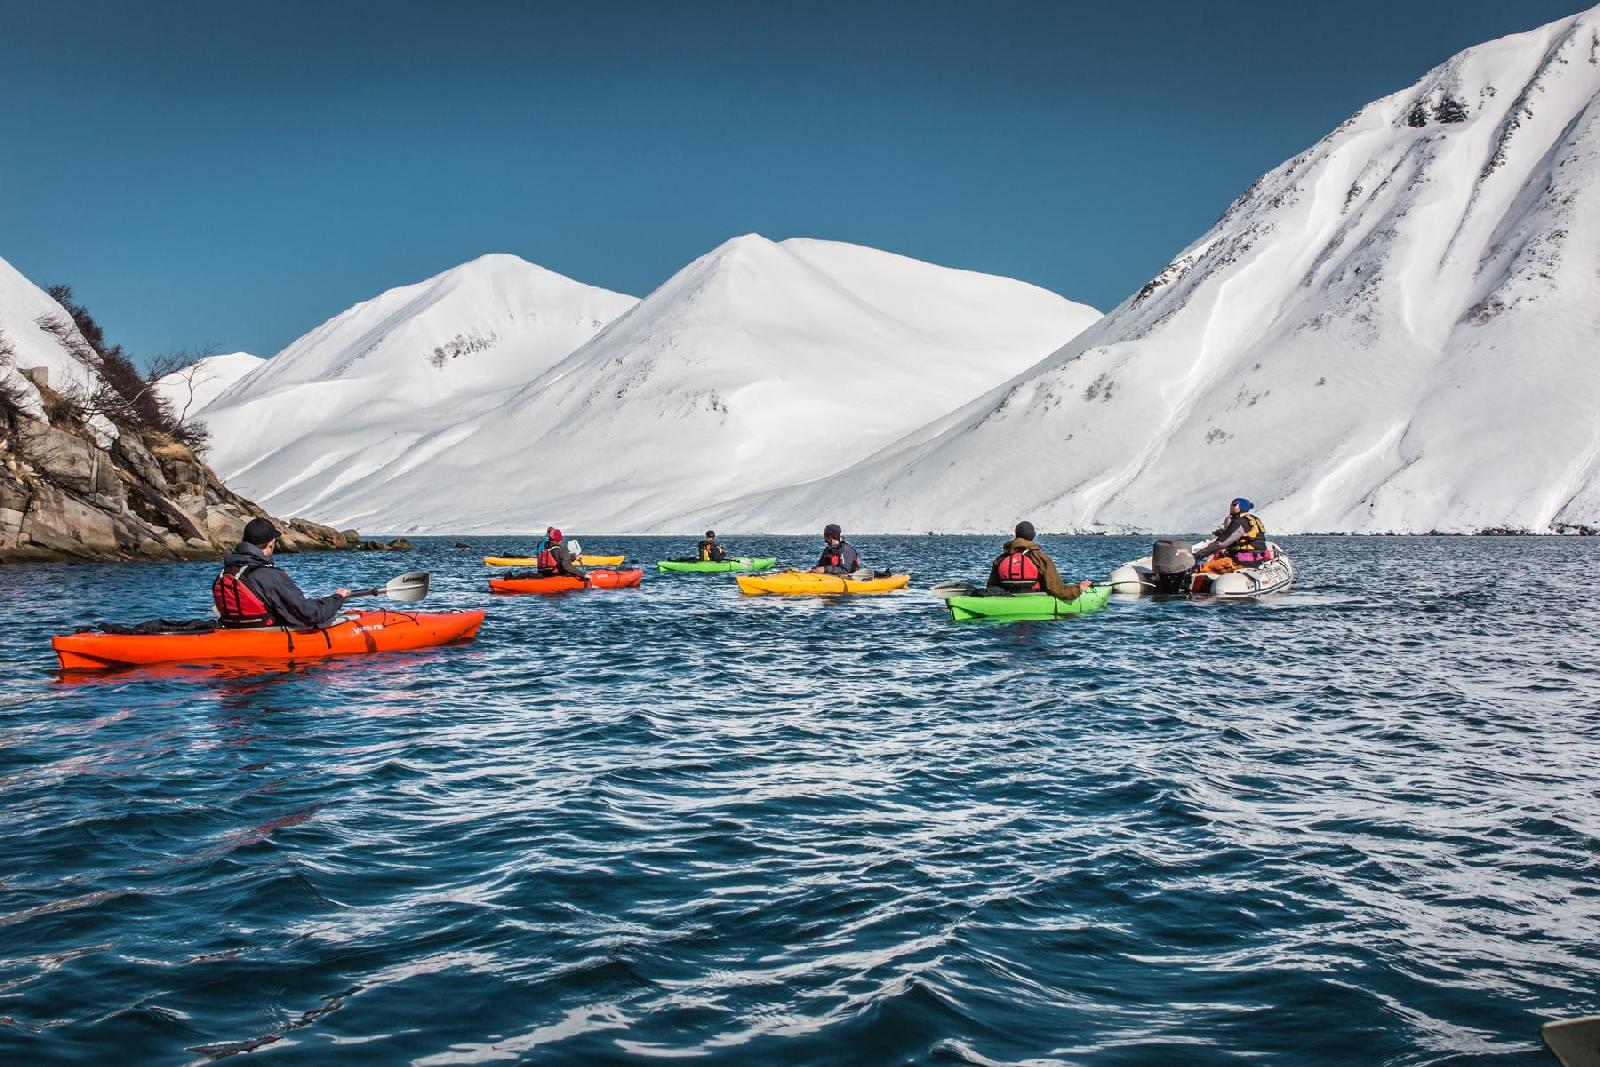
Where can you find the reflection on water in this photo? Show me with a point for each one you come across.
(1356, 824)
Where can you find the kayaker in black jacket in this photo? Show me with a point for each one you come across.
(269, 596)
(838, 555)
(709, 551)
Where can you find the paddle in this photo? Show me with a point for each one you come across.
(1573, 1041)
(409, 587)
(946, 590)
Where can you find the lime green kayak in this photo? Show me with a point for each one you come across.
(739, 563)
(1028, 605)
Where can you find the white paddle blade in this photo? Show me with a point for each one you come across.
(409, 587)
(1575, 1042)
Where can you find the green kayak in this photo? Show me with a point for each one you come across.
(1028, 605)
(739, 563)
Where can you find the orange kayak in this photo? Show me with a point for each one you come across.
(561, 583)
(354, 634)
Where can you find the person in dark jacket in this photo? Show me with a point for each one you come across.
(555, 559)
(838, 555)
(1023, 567)
(251, 565)
(709, 550)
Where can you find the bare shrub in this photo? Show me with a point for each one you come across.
(177, 419)
(121, 393)
(13, 394)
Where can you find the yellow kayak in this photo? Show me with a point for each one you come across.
(532, 561)
(804, 583)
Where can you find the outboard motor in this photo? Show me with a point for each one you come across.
(1171, 563)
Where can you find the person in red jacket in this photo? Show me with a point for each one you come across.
(1023, 567)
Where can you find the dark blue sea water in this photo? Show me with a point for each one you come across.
(1359, 824)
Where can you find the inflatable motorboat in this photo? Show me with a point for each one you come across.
(1170, 570)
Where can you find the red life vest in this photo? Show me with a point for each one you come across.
(237, 603)
(1018, 569)
(547, 560)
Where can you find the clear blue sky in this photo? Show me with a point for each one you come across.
(230, 174)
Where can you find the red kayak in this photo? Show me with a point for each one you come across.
(561, 583)
(353, 634)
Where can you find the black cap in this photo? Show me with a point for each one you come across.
(1025, 530)
(259, 531)
(711, 533)
(832, 530)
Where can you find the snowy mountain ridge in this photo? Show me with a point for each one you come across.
(758, 365)
(1392, 331)
(391, 376)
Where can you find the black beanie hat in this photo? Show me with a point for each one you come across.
(1025, 530)
(259, 531)
(711, 533)
(832, 530)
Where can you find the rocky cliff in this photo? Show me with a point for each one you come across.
(92, 463)
(62, 496)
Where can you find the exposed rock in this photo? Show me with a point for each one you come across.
(136, 456)
(63, 496)
(224, 524)
(315, 532)
(59, 520)
(399, 544)
(65, 459)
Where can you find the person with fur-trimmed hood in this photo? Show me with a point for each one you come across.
(1023, 567)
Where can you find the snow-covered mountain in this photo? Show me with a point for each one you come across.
(188, 390)
(758, 365)
(383, 385)
(1395, 330)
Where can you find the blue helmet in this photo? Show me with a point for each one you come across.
(1242, 504)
